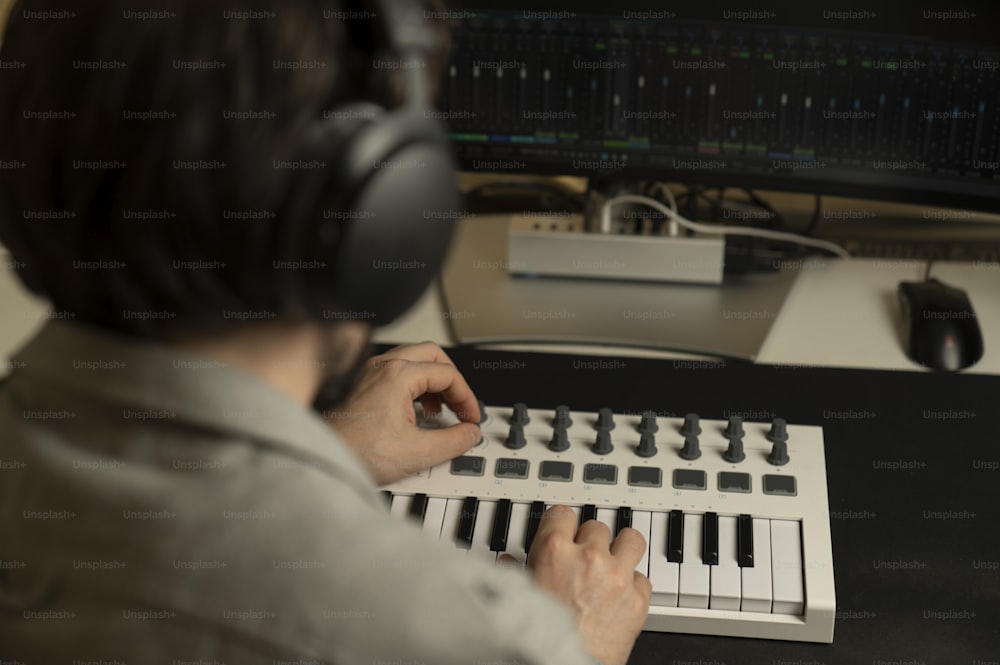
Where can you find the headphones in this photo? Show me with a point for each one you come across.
(373, 249)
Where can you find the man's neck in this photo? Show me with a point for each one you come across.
(286, 356)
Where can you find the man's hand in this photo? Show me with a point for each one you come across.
(599, 583)
(378, 421)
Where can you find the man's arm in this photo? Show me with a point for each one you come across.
(608, 599)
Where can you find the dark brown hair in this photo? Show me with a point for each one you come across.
(143, 135)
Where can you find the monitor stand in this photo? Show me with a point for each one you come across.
(486, 304)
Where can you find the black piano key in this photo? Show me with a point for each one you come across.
(418, 507)
(589, 512)
(744, 541)
(467, 522)
(675, 537)
(501, 526)
(387, 495)
(710, 539)
(534, 517)
(624, 519)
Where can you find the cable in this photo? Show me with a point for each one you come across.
(722, 229)
(814, 220)
(927, 269)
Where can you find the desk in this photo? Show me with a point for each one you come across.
(839, 313)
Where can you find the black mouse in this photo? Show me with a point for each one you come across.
(941, 328)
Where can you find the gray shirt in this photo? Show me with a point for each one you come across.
(159, 507)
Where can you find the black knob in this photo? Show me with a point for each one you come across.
(605, 420)
(520, 415)
(647, 445)
(691, 449)
(734, 428)
(482, 412)
(560, 440)
(778, 435)
(779, 454)
(734, 453)
(691, 426)
(648, 424)
(734, 432)
(562, 418)
(515, 439)
(778, 431)
(603, 445)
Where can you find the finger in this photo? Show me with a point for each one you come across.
(431, 403)
(629, 547)
(643, 585)
(424, 352)
(557, 522)
(423, 378)
(507, 561)
(433, 446)
(593, 532)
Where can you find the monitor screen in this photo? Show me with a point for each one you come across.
(877, 101)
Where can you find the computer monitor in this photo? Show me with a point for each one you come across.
(873, 101)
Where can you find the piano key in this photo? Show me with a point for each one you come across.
(663, 574)
(501, 525)
(786, 567)
(745, 541)
(484, 531)
(640, 521)
(710, 539)
(467, 522)
(400, 506)
(387, 495)
(725, 577)
(675, 537)
(756, 581)
(694, 574)
(589, 513)
(578, 511)
(624, 519)
(534, 517)
(418, 507)
(609, 517)
(451, 521)
(434, 516)
(519, 517)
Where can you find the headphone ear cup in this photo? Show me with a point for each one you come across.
(393, 251)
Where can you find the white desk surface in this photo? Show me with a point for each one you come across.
(840, 313)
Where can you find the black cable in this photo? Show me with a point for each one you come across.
(815, 217)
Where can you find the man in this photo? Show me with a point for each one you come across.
(167, 495)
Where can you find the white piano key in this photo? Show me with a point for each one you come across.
(786, 567)
(608, 516)
(725, 577)
(694, 575)
(663, 574)
(483, 533)
(641, 521)
(518, 530)
(449, 525)
(434, 516)
(400, 507)
(756, 581)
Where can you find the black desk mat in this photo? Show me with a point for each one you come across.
(913, 464)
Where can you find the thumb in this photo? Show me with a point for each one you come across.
(440, 445)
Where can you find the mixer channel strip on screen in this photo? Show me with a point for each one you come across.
(735, 513)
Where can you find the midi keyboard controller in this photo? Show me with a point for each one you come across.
(735, 514)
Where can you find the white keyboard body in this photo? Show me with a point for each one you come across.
(791, 531)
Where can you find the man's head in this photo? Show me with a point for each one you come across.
(163, 151)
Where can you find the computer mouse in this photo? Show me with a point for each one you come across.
(941, 330)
